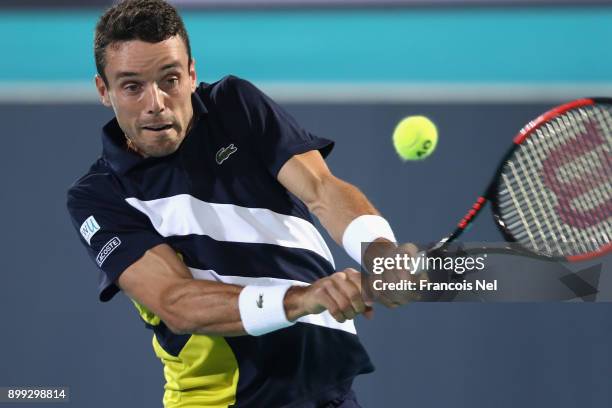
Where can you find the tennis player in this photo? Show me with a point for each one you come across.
(199, 211)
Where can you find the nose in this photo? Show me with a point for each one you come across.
(155, 100)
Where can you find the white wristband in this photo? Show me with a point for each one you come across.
(262, 309)
(365, 228)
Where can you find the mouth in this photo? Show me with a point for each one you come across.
(159, 127)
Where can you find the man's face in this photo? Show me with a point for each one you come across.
(149, 88)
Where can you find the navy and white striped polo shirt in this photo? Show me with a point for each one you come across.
(218, 203)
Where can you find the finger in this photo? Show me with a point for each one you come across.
(342, 300)
(330, 298)
(385, 301)
(332, 306)
(352, 287)
(409, 248)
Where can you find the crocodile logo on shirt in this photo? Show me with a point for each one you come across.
(225, 152)
(260, 301)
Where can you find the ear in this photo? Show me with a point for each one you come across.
(193, 77)
(103, 91)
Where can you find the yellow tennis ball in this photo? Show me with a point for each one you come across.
(415, 138)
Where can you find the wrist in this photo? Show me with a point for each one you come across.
(366, 228)
(293, 304)
(262, 309)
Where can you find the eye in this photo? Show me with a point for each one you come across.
(172, 81)
(131, 87)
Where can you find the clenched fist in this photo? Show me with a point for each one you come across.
(339, 293)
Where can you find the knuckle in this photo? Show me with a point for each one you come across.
(339, 275)
(356, 296)
(326, 284)
(318, 292)
(410, 248)
(356, 303)
(333, 310)
(355, 278)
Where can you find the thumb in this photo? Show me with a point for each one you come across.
(409, 248)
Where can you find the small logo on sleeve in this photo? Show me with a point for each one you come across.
(89, 228)
(107, 250)
(259, 302)
(225, 152)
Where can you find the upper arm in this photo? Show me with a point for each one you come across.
(151, 279)
(114, 234)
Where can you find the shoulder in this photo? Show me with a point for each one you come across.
(229, 83)
(229, 90)
(94, 187)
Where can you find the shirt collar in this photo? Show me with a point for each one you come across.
(122, 159)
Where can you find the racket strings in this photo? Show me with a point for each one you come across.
(546, 229)
(599, 168)
(520, 169)
(595, 187)
(602, 195)
(568, 123)
(549, 232)
(592, 188)
(555, 194)
(579, 172)
(586, 175)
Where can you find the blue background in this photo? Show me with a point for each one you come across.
(427, 355)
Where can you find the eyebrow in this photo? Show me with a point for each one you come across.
(128, 74)
(170, 66)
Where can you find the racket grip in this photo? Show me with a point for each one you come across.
(421, 266)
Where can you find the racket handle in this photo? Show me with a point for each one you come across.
(431, 251)
(421, 269)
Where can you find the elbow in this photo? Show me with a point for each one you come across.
(316, 202)
(173, 314)
(177, 324)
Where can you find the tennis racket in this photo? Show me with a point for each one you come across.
(552, 193)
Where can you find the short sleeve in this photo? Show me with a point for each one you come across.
(276, 135)
(114, 234)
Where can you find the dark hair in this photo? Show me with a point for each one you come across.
(145, 20)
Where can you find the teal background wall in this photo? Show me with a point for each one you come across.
(491, 45)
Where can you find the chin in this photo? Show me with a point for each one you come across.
(161, 145)
(161, 152)
(167, 148)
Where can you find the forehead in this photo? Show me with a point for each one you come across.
(142, 57)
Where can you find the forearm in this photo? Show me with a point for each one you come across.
(160, 281)
(206, 307)
(334, 202)
(203, 307)
(337, 204)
